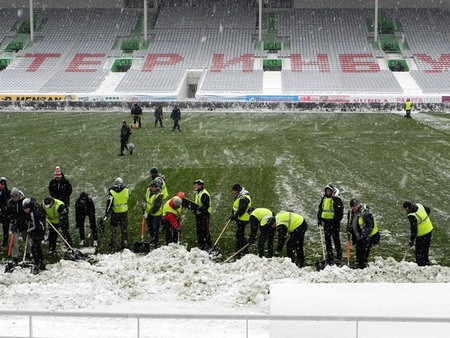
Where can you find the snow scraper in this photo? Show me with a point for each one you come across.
(141, 247)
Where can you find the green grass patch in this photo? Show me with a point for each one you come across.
(284, 160)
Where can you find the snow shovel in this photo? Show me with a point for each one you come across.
(74, 254)
(101, 223)
(215, 250)
(10, 265)
(237, 252)
(321, 265)
(9, 268)
(141, 247)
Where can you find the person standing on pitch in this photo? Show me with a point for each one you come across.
(329, 214)
(125, 133)
(84, 206)
(16, 217)
(158, 115)
(176, 117)
(156, 176)
(60, 188)
(117, 205)
(421, 230)
(153, 212)
(262, 219)
(5, 195)
(408, 107)
(288, 222)
(172, 218)
(202, 215)
(240, 215)
(364, 231)
(56, 214)
(35, 224)
(136, 112)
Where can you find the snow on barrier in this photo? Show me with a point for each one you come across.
(361, 310)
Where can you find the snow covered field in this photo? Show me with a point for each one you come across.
(174, 280)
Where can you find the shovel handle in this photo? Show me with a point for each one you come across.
(11, 241)
(237, 252)
(223, 230)
(142, 226)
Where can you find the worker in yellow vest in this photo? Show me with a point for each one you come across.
(288, 222)
(117, 206)
(329, 215)
(239, 214)
(56, 214)
(202, 215)
(172, 218)
(408, 107)
(153, 212)
(421, 230)
(364, 231)
(262, 219)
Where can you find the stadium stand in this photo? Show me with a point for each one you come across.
(324, 50)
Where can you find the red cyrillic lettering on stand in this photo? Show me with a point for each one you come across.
(441, 65)
(321, 64)
(351, 64)
(79, 60)
(39, 59)
(154, 60)
(219, 64)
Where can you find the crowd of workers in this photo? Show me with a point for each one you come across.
(28, 219)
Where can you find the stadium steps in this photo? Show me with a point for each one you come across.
(408, 84)
(272, 83)
(110, 83)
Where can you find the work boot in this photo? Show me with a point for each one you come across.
(35, 269)
(124, 245)
(121, 154)
(42, 266)
(15, 260)
(94, 243)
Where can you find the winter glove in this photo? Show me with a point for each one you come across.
(411, 244)
(232, 218)
(319, 223)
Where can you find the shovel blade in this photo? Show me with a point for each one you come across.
(141, 247)
(9, 268)
(75, 255)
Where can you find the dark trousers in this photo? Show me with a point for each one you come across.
(294, 246)
(158, 119)
(203, 231)
(176, 125)
(241, 240)
(331, 232)
(363, 247)
(153, 224)
(5, 226)
(422, 249)
(172, 235)
(267, 235)
(80, 225)
(123, 145)
(137, 119)
(36, 250)
(119, 220)
(63, 229)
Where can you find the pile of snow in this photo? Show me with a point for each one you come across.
(173, 274)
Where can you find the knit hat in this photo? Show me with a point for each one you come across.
(57, 172)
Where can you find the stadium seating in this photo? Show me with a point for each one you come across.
(329, 50)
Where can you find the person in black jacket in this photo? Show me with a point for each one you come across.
(329, 214)
(176, 117)
(60, 188)
(84, 206)
(136, 111)
(125, 133)
(17, 220)
(364, 231)
(5, 195)
(35, 219)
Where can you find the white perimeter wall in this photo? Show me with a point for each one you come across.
(62, 3)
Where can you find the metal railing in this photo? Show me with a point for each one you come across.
(224, 317)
